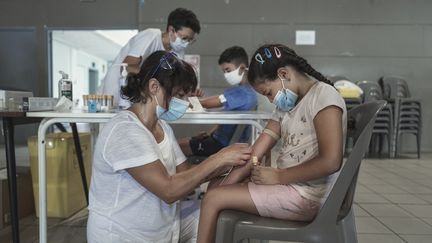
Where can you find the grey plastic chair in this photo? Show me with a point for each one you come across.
(409, 122)
(371, 91)
(384, 128)
(335, 221)
(394, 87)
(352, 102)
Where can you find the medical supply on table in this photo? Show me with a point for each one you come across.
(39, 103)
(63, 105)
(196, 105)
(65, 86)
(98, 103)
(12, 100)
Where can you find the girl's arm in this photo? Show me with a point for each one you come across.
(328, 127)
(264, 143)
(170, 188)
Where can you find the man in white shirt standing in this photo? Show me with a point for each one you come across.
(180, 32)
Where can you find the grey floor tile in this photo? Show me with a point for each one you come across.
(372, 181)
(427, 220)
(370, 225)
(417, 189)
(385, 210)
(404, 198)
(369, 198)
(359, 212)
(378, 238)
(406, 225)
(362, 189)
(421, 211)
(426, 197)
(417, 238)
(385, 189)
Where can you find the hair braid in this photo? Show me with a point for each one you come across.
(305, 67)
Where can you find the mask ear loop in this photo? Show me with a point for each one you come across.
(259, 58)
(282, 79)
(277, 52)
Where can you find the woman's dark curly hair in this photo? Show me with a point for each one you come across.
(272, 57)
(173, 74)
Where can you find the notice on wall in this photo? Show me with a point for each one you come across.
(194, 60)
(305, 37)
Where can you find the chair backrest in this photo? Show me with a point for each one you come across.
(361, 120)
(396, 87)
(371, 91)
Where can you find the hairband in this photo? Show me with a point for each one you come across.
(259, 58)
(277, 52)
(268, 54)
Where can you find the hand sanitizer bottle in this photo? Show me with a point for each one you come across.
(123, 104)
(65, 86)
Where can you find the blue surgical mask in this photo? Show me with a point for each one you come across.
(179, 45)
(176, 110)
(285, 99)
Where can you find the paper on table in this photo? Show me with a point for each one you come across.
(63, 105)
(196, 105)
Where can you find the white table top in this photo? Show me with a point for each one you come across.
(252, 115)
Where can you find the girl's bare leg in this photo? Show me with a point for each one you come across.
(224, 197)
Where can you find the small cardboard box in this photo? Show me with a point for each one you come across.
(24, 194)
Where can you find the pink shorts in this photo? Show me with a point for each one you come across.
(282, 202)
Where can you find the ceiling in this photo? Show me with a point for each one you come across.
(104, 44)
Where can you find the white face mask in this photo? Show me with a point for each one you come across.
(234, 77)
(178, 45)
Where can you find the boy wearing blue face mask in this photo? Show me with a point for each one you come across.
(239, 97)
(182, 27)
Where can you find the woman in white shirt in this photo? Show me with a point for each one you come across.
(139, 171)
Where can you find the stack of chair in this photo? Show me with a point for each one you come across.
(409, 121)
(407, 111)
(383, 127)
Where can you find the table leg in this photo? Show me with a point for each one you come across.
(80, 159)
(8, 128)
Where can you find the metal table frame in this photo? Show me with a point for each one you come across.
(50, 118)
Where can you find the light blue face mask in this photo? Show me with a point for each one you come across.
(285, 99)
(176, 110)
(179, 45)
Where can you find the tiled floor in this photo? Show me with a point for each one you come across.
(393, 203)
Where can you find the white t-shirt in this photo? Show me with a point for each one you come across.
(298, 136)
(120, 207)
(141, 45)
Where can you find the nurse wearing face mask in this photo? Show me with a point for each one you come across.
(139, 174)
(181, 31)
(239, 97)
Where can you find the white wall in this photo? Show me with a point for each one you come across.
(76, 63)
